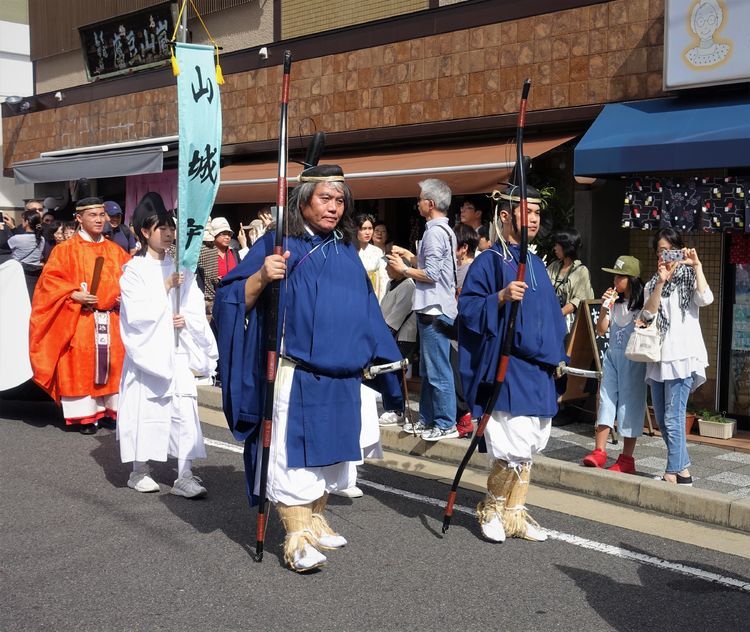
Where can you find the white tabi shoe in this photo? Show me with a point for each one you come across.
(332, 541)
(535, 533)
(308, 559)
(349, 492)
(142, 482)
(493, 530)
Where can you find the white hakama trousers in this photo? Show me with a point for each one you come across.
(516, 440)
(293, 485)
(87, 407)
(152, 429)
(369, 435)
(156, 439)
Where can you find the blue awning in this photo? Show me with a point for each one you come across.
(661, 135)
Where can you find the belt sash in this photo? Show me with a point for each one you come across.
(101, 344)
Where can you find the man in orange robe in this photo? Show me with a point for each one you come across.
(75, 346)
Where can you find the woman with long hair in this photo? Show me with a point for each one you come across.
(164, 346)
(674, 296)
(370, 255)
(28, 248)
(53, 234)
(569, 276)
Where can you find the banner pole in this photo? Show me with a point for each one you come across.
(177, 291)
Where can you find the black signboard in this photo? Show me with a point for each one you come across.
(134, 41)
(586, 350)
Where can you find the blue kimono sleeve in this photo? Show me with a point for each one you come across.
(481, 325)
(241, 344)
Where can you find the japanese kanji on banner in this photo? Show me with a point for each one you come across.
(199, 107)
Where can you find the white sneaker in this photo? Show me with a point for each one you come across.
(493, 530)
(391, 418)
(535, 533)
(189, 487)
(332, 541)
(308, 559)
(436, 434)
(418, 427)
(142, 482)
(351, 492)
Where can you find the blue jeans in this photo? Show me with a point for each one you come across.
(437, 403)
(670, 403)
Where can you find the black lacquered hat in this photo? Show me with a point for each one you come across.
(322, 173)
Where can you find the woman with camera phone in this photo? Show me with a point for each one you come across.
(674, 296)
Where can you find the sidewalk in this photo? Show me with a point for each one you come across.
(721, 475)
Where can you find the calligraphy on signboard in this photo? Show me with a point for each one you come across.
(127, 43)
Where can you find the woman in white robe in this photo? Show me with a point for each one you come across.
(158, 414)
(373, 259)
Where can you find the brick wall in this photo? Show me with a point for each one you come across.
(709, 247)
(606, 52)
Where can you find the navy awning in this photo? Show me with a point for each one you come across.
(102, 164)
(661, 135)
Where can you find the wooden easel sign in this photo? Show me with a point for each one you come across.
(586, 350)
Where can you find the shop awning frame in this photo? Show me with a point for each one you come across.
(101, 164)
(665, 135)
(392, 174)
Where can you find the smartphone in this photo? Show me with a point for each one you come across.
(672, 255)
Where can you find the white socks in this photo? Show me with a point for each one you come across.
(184, 468)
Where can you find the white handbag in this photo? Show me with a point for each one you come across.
(644, 344)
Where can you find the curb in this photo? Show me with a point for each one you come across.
(701, 505)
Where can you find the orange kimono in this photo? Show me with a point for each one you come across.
(63, 335)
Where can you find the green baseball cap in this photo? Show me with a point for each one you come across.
(625, 266)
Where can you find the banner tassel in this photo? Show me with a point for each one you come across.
(219, 74)
(175, 66)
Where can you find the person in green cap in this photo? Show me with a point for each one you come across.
(622, 393)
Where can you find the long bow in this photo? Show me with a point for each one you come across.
(272, 316)
(507, 348)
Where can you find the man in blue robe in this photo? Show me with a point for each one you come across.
(331, 328)
(520, 424)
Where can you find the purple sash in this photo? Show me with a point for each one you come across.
(101, 338)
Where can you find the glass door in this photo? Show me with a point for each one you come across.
(736, 388)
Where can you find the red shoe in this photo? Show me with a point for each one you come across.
(464, 426)
(624, 464)
(595, 458)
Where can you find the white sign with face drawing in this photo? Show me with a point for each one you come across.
(706, 42)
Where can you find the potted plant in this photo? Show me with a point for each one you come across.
(690, 417)
(716, 425)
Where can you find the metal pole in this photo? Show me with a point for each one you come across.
(182, 36)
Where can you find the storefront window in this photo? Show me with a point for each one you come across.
(739, 360)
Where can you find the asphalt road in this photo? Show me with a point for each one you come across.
(79, 550)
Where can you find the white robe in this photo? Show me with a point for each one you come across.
(373, 259)
(15, 311)
(158, 413)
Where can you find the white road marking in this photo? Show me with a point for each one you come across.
(575, 540)
(231, 447)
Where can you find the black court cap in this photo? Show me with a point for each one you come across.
(322, 173)
(89, 202)
(513, 194)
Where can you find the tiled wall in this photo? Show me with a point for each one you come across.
(605, 52)
(709, 248)
(302, 17)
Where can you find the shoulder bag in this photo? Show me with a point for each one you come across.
(644, 344)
